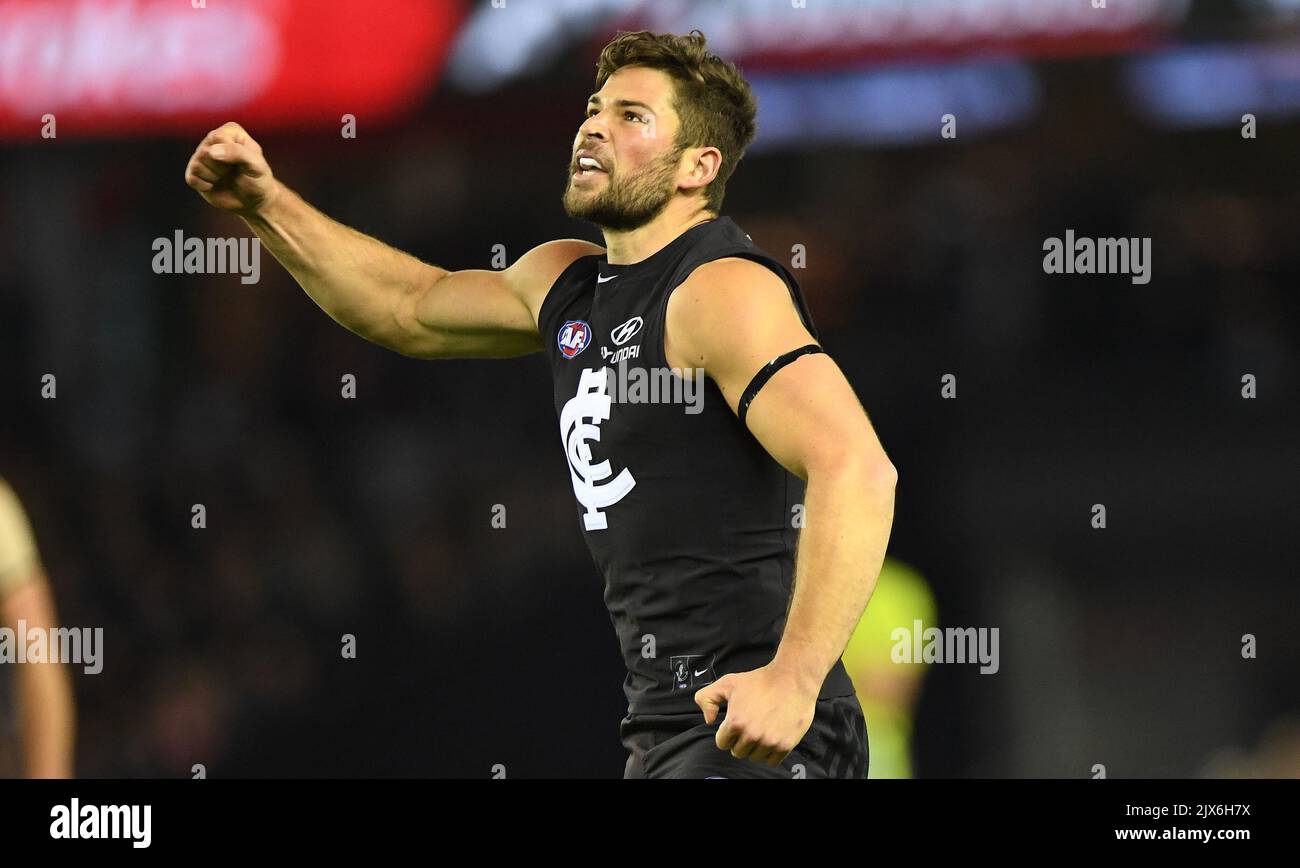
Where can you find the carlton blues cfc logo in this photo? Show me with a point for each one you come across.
(574, 337)
(594, 482)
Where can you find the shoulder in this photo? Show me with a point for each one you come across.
(730, 292)
(532, 276)
(559, 253)
(731, 308)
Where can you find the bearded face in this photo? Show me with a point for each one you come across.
(615, 198)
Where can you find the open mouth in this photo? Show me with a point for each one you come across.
(588, 167)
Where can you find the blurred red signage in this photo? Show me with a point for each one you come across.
(124, 67)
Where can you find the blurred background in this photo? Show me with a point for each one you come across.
(371, 516)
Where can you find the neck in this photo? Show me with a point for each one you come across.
(626, 248)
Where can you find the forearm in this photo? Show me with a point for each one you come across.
(48, 721)
(358, 280)
(849, 512)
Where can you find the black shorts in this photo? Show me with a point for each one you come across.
(683, 746)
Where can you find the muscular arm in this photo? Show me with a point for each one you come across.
(44, 690)
(848, 510)
(731, 317)
(380, 293)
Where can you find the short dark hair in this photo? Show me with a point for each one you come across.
(712, 98)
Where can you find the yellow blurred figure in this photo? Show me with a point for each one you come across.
(887, 690)
(43, 691)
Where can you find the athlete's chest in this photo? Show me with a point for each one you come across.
(606, 327)
(623, 412)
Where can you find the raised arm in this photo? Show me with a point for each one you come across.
(380, 293)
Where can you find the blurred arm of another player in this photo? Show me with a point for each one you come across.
(44, 695)
(382, 294)
(732, 317)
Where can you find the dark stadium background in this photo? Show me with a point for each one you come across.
(480, 646)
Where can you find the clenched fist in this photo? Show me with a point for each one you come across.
(769, 710)
(229, 171)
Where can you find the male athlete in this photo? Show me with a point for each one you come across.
(41, 693)
(690, 512)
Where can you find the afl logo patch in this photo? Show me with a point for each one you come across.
(626, 331)
(573, 338)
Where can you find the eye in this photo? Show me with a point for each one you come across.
(634, 116)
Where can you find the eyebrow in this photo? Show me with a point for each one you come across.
(621, 103)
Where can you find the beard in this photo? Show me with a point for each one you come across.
(626, 203)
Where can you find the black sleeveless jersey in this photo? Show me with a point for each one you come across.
(686, 515)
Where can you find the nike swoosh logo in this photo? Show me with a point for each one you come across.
(701, 672)
(600, 279)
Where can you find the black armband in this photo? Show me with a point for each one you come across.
(765, 374)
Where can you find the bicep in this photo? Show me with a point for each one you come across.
(467, 314)
(807, 416)
(481, 313)
(735, 318)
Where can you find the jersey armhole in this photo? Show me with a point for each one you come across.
(796, 295)
(550, 300)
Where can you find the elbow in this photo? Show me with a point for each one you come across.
(879, 474)
(887, 472)
(862, 466)
(404, 334)
(397, 340)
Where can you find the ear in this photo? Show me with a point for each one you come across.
(701, 165)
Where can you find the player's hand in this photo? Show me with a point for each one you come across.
(768, 712)
(229, 171)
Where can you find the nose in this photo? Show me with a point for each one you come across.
(593, 127)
